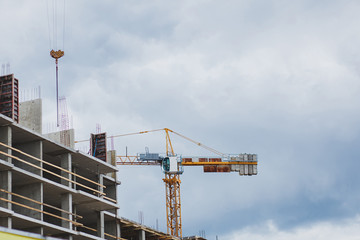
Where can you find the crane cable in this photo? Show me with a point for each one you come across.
(198, 143)
(165, 129)
(56, 54)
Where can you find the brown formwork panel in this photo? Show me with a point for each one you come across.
(214, 159)
(223, 169)
(210, 168)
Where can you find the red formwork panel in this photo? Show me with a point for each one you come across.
(98, 146)
(210, 168)
(214, 159)
(203, 159)
(187, 160)
(9, 96)
(223, 169)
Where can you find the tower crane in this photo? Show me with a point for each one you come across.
(172, 166)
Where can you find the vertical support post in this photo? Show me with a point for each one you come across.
(101, 225)
(141, 234)
(101, 181)
(66, 164)
(74, 178)
(66, 204)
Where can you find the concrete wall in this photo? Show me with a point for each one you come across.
(31, 115)
(111, 158)
(65, 137)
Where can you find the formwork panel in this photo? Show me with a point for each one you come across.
(214, 159)
(223, 168)
(98, 146)
(203, 159)
(9, 97)
(210, 168)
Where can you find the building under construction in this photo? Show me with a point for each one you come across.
(48, 189)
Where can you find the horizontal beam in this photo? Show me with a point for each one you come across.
(217, 163)
(139, 163)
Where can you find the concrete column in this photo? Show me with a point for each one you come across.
(101, 225)
(66, 204)
(100, 188)
(141, 234)
(5, 137)
(33, 148)
(118, 227)
(5, 184)
(66, 164)
(33, 191)
(75, 212)
(74, 178)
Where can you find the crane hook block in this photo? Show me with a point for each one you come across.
(56, 54)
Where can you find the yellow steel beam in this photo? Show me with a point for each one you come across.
(216, 163)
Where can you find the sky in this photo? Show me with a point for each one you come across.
(276, 78)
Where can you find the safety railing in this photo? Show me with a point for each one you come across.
(40, 204)
(96, 192)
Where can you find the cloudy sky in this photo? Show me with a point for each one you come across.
(277, 78)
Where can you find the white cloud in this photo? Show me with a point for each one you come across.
(348, 229)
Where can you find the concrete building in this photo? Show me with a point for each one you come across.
(53, 190)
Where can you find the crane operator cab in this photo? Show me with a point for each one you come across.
(172, 165)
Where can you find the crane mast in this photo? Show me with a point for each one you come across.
(173, 204)
(172, 189)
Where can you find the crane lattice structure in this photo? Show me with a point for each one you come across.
(172, 165)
